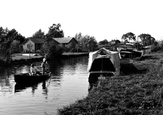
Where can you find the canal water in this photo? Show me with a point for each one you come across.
(68, 83)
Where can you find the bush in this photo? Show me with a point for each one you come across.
(157, 46)
(54, 52)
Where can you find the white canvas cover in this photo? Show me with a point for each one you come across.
(112, 55)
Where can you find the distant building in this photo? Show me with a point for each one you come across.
(64, 41)
(33, 44)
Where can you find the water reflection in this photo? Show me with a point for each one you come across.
(55, 66)
(6, 82)
(34, 87)
(44, 88)
(68, 83)
(93, 79)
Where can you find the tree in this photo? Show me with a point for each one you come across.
(87, 43)
(78, 36)
(2, 35)
(92, 44)
(51, 51)
(55, 31)
(103, 42)
(39, 34)
(147, 39)
(128, 36)
(10, 41)
(12, 35)
(15, 47)
(116, 41)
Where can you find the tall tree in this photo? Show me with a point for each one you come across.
(14, 35)
(128, 36)
(147, 39)
(55, 31)
(9, 39)
(39, 34)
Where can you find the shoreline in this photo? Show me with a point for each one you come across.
(24, 58)
(73, 54)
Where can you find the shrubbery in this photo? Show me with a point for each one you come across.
(157, 46)
(51, 51)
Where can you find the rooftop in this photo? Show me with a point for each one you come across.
(63, 39)
(37, 40)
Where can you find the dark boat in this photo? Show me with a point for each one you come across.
(26, 79)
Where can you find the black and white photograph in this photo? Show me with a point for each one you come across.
(81, 57)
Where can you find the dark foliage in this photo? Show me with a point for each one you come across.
(55, 31)
(103, 42)
(128, 36)
(54, 52)
(147, 39)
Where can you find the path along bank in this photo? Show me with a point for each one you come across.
(137, 91)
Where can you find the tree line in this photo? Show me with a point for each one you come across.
(11, 41)
(146, 39)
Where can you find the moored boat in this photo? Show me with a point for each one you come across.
(104, 61)
(127, 53)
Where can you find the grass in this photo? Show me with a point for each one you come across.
(137, 91)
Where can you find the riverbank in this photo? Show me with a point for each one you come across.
(21, 58)
(74, 54)
(25, 58)
(137, 91)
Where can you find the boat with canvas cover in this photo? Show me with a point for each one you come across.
(104, 61)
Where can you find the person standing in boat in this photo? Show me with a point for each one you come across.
(33, 69)
(43, 65)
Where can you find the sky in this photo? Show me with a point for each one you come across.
(103, 19)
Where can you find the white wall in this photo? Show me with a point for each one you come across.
(29, 46)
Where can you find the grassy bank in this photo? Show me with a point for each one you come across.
(137, 91)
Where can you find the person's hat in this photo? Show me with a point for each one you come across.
(44, 59)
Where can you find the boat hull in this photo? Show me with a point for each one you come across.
(130, 54)
(26, 79)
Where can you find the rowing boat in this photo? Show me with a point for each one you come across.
(27, 79)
